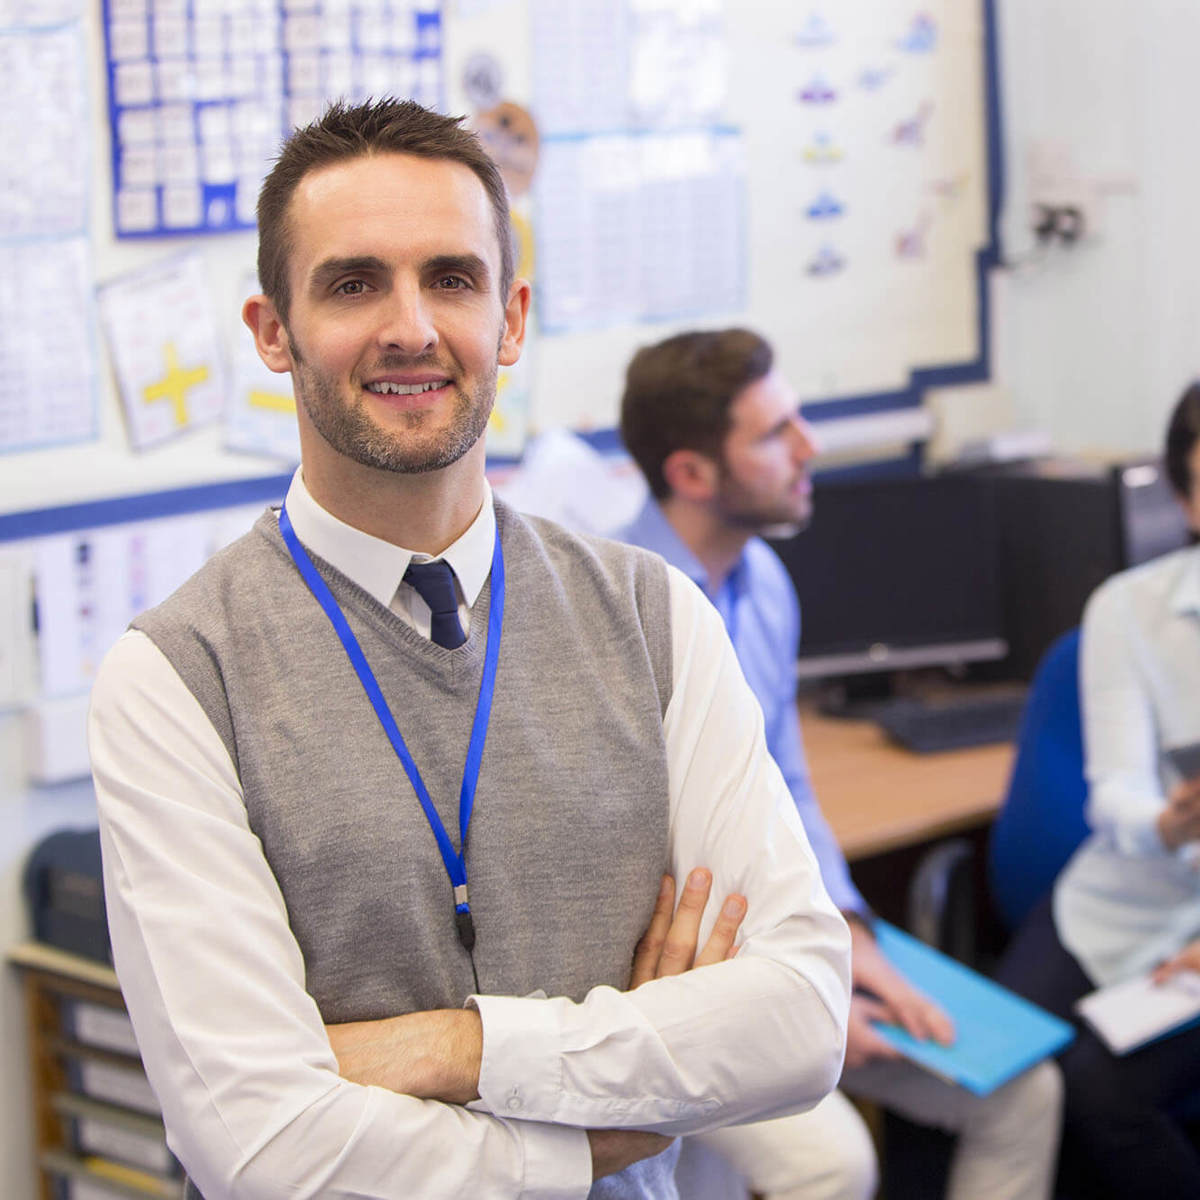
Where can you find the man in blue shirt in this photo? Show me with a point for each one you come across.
(718, 434)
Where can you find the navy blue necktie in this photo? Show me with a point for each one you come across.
(434, 582)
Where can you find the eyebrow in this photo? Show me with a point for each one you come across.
(333, 268)
(460, 264)
(784, 422)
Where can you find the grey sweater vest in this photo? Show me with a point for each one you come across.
(569, 833)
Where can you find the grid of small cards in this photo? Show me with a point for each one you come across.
(201, 92)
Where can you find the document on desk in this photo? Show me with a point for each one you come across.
(999, 1034)
(1130, 1014)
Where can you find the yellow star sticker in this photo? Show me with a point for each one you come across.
(174, 385)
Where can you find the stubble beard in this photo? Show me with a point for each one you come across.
(404, 449)
(759, 517)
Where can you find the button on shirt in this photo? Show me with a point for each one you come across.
(758, 606)
(743, 1039)
(1125, 902)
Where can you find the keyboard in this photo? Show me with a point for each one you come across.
(952, 723)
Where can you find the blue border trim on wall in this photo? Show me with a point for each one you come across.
(148, 506)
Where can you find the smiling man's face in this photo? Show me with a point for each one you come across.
(396, 327)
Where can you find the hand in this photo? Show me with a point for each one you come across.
(1179, 822)
(430, 1055)
(668, 947)
(615, 1149)
(881, 993)
(1188, 959)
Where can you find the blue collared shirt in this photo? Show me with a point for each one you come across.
(758, 604)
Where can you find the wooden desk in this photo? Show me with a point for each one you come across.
(879, 797)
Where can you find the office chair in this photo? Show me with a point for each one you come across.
(1042, 819)
(1038, 826)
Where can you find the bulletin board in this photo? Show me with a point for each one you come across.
(825, 173)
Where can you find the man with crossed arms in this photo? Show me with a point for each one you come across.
(355, 965)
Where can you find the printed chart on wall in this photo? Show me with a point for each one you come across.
(92, 583)
(201, 93)
(878, 167)
(169, 367)
(47, 397)
(640, 189)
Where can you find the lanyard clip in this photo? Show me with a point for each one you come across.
(462, 918)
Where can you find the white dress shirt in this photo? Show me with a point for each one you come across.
(249, 1085)
(1125, 902)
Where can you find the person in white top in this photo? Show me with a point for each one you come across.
(1128, 901)
(389, 295)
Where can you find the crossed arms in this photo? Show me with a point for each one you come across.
(436, 1055)
(252, 1093)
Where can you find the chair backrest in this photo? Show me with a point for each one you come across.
(1042, 818)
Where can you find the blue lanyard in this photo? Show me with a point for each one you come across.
(455, 862)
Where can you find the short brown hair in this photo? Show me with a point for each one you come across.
(678, 393)
(344, 132)
(1183, 431)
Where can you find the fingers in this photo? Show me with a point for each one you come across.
(862, 1042)
(669, 945)
(1164, 971)
(1188, 959)
(1188, 789)
(901, 1003)
(720, 944)
(679, 948)
(650, 946)
(915, 1013)
(615, 1149)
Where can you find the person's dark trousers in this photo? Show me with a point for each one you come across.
(1119, 1138)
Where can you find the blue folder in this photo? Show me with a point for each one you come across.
(999, 1034)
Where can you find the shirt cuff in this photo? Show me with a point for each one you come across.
(1141, 836)
(558, 1162)
(518, 1071)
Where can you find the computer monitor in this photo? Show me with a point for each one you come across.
(1150, 519)
(896, 574)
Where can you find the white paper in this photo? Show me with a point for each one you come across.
(191, 64)
(125, 1145)
(566, 480)
(43, 110)
(99, 1025)
(16, 626)
(1127, 1015)
(91, 583)
(120, 1085)
(168, 362)
(46, 397)
(639, 228)
(261, 417)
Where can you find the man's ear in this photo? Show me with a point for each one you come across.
(516, 311)
(691, 475)
(270, 337)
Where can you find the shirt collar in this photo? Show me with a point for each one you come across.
(378, 566)
(651, 529)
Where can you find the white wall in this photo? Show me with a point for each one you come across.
(1095, 341)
